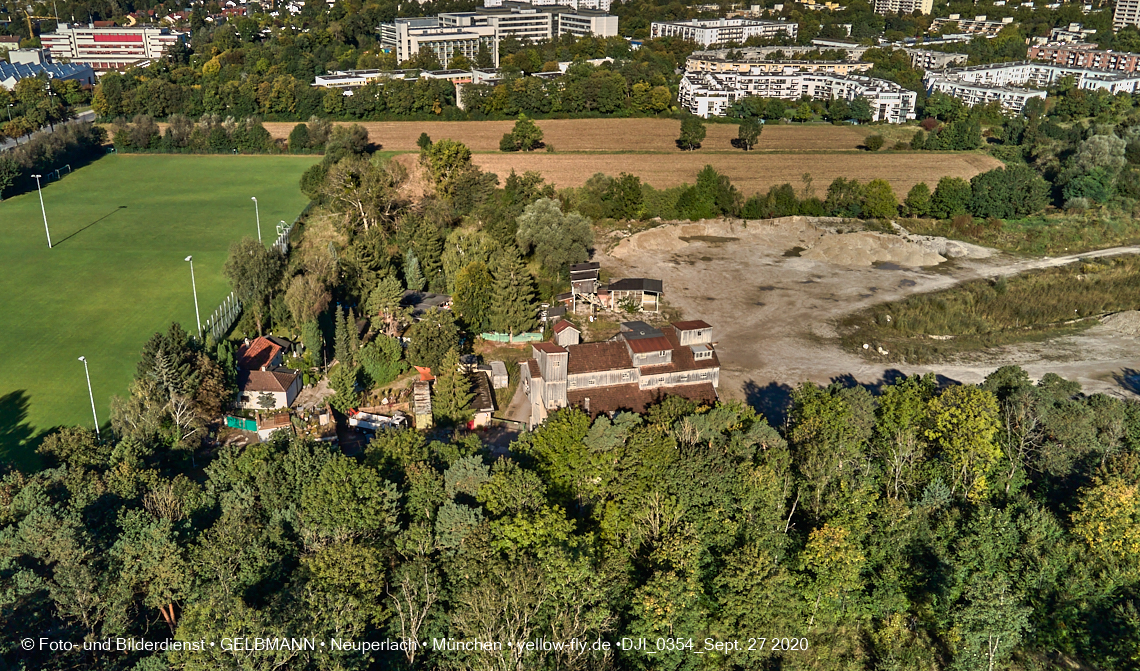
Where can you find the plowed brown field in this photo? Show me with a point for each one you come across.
(751, 173)
(605, 135)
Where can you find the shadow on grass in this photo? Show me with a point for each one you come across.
(18, 440)
(121, 207)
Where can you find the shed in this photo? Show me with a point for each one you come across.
(498, 375)
(421, 404)
(483, 402)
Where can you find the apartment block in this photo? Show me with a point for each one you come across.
(700, 62)
(979, 25)
(711, 94)
(109, 48)
(907, 7)
(1127, 13)
(1013, 84)
(722, 31)
(1082, 55)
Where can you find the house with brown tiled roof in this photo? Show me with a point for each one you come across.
(259, 353)
(638, 367)
(280, 384)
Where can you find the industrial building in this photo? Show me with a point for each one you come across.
(711, 94)
(722, 31)
(110, 48)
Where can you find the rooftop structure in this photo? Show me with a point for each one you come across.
(708, 32)
(109, 48)
(707, 94)
(639, 366)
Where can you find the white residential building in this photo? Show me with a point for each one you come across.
(1006, 82)
(722, 31)
(601, 5)
(907, 7)
(711, 94)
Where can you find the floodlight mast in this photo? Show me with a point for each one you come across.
(257, 212)
(194, 285)
(91, 394)
(40, 191)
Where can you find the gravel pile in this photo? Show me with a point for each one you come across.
(1127, 323)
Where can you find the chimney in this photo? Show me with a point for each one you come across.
(263, 369)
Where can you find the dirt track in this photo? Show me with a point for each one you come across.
(775, 315)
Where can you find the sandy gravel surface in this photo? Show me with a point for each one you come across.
(775, 307)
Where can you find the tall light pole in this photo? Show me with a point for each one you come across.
(194, 285)
(91, 394)
(258, 213)
(41, 192)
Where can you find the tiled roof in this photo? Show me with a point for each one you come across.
(483, 399)
(645, 345)
(257, 354)
(598, 356)
(532, 366)
(629, 397)
(682, 358)
(266, 380)
(693, 325)
(563, 325)
(549, 348)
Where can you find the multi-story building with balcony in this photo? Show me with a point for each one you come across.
(711, 94)
(706, 32)
(109, 48)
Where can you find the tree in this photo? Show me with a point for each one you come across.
(918, 200)
(446, 161)
(1002, 193)
(963, 425)
(748, 133)
(950, 198)
(344, 380)
(512, 306)
(804, 113)
(380, 360)
(307, 297)
(253, 272)
(9, 172)
(873, 142)
(451, 392)
(692, 132)
(556, 239)
(385, 301)
(431, 338)
(423, 142)
(413, 277)
(472, 297)
(299, 139)
(861, 110)
(880, 201)
(525, 136)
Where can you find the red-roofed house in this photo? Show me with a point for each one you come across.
(259, 354)
(639, 367)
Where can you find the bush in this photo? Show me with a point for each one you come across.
(873, 142)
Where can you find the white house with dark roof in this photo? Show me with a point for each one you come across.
(638, 367)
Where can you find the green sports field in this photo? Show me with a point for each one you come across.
(121, 228)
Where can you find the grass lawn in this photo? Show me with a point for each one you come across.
(121, 228)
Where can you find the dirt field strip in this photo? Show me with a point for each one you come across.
(604, 135)
(751, 173)
(774, 316)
